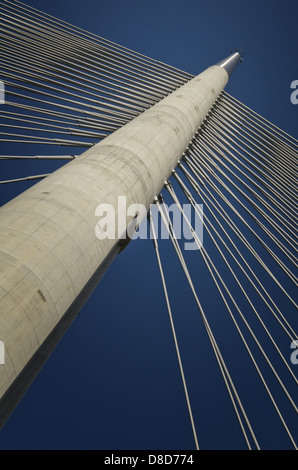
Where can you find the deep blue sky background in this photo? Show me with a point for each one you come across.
(113, 382)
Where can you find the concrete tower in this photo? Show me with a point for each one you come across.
(50, 257)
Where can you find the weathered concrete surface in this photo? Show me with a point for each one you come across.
(48, 247)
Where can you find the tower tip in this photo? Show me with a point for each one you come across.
(230, 62)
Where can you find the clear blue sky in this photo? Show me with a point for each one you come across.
(113, 381)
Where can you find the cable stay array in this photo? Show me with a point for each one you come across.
(67, 87)
(249, 208)
(70, 88)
